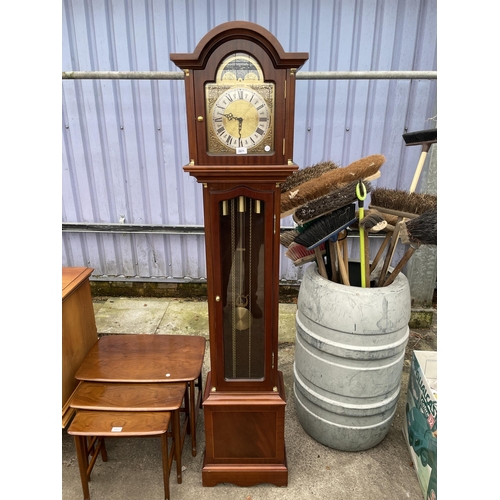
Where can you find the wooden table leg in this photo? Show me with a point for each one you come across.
(176, 430)
(82, 454)
(166, 468)
(187, 409)
(200, 391)
(104, 453)
(193, 408)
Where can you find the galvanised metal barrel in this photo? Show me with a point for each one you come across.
(349, 355)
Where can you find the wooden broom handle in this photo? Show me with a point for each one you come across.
(342, 267)
(389, 254)
(367, 259)
(333, 260)
(399, 267)
(320, 262)
(418, 170)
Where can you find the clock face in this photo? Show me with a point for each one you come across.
(240, 108)
(241, 119)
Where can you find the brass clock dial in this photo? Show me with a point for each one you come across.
(241, 119)
(240, 107)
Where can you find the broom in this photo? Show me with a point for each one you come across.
(404, 205)
(366, 168)
(300, 255)
(400, 203)
(425, 138)
(334, 200)
(287, 237)
(419, 231)
(297, 253)
(306, 174)
(325, 228)
(341, 196)
(373, 220)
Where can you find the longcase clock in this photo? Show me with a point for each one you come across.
(240, 89)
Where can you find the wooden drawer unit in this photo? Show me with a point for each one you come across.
(79, 332)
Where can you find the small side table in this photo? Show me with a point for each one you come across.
(136, 358)
(116, 397)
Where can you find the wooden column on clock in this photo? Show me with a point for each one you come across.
(240, 89)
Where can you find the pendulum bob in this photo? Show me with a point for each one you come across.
(243, 318)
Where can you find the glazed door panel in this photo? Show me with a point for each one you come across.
(243, 241)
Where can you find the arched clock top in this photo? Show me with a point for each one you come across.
(239, 31)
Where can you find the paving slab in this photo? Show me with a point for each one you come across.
(185, 318)
(130, 315)
(286, 325)
(191, 318)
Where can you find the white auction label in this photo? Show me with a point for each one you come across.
(116, 429)
(241, 151)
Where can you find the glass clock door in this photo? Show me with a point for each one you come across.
(242, 233)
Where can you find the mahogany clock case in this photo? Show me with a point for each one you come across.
(244, 401)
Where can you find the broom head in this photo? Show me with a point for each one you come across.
(420, 231)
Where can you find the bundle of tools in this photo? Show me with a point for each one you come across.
(321, 199)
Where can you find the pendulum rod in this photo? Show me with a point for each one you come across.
(241, 261)
(250, 295)
(233, 287)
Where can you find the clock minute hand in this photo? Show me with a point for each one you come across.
(240, 123)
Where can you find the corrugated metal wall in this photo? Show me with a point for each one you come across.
(125, 141)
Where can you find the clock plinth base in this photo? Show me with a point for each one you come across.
(245, 475)
(245, 437)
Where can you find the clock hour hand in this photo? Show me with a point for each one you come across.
(230, 117)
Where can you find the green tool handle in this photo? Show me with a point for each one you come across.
(361, 197)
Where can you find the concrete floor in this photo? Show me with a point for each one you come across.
(133, 469)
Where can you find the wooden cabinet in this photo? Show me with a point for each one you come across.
(79, 332)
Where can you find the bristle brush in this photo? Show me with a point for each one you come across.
(306, 174)
(404, 205)
(327, 228)
(300, 255)
(339, 197)
(287, 237)
(361, 169)
(419, 231)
